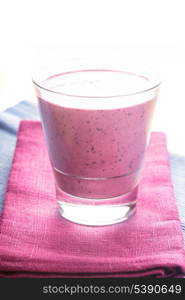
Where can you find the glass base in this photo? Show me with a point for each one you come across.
(97, 212)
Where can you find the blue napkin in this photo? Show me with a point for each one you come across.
(9, 123)
(177, 164)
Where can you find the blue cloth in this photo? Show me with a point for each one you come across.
(177, 164)
(9, 122)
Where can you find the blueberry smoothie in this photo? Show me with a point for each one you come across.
(96, 152)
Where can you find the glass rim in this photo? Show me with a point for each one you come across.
(143, 71)
(95, 97)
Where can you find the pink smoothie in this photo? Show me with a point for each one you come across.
(96, 153)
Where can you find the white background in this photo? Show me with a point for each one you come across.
(152, 31)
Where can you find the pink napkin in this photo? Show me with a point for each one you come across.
(36, 242)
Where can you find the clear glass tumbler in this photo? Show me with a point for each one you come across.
(96, 118)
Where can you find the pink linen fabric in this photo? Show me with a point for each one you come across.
(36, 242)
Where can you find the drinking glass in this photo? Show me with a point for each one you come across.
(96, 117)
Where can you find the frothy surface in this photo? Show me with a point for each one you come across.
(97, 83)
